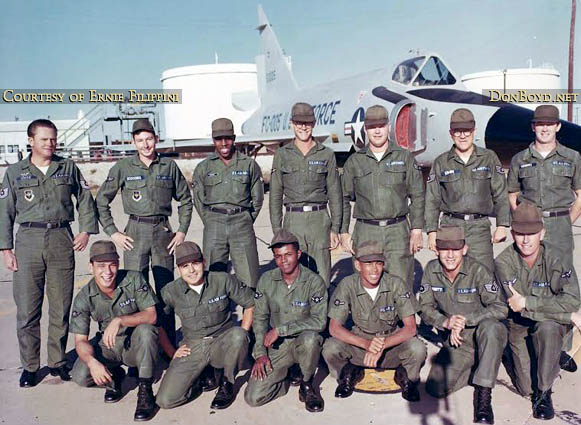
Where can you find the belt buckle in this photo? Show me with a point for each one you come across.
(546, 213)
(307, 208)
(466, 217)
(382, 223)
(51, 225)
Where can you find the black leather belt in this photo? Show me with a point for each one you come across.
(228, 211)
(44, 225)
(465, 217)
(156, 219)
(307, 208)
(383, 223)
(555, 213)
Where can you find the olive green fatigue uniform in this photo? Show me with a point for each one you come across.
(307, 182)
(228, 198)
(135, 347)
(475, 295)
(549, 183)
(299, 314)
(552, 294)
(477, 187)
(208, 332)
(42, 205)
(393, 303)
(381, 191)
(147, 193)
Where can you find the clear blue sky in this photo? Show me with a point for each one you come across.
(121, 44)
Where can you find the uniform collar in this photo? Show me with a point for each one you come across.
(464, 267)
(214, 156)
(478, 151)
(291, 146)
(55, 163)
(137, 162)
(531, 152)
(301, 277)
(538, 262)
(185, 287)
(383, 285)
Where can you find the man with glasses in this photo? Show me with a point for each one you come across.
(305, 172)
(467, 185)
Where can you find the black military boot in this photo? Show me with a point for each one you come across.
(210, 378)
(567, 363)
(409, 389)
(146, 407)
(543, 405)
(28, 379)
(295, 375)
(113, 393)
(307, 394)
(349, 377)
(483, 405)
(225, 395)
(61, 371)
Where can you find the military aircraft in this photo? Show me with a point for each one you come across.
(420, 95)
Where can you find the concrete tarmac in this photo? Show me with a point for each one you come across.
(55, 402)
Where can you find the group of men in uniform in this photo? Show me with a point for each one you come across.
(478, 304)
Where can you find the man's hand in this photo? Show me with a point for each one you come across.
(110, 333)
(182, 351)
(376, 345)
(99, 373)
(517, 302)
(576, 319)
(370, 359)
(432, 241)
(178, 238)
(455, 322)
(334, 241)
(270, 337)
(347, 242)
(123, 241)
(499, 234)
(10, 260)
(80, 241)
(416, 241)
(455, 338)
(262, 367)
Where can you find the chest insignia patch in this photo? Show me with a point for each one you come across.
(386, 308)
(257, 295)
(75, 313)
(126, 302)
(424, 288)
(136, 195)
(406, 295)
(500, 169)
(216, 299)
(4, 192)
(566, 274)
(491, 287)
(338, 302)
(29, 195)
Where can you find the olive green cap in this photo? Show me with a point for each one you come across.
(368, 251)
(546, 113)
(376, 115)
(188, 252)
(142, 124)
(463, 119)
(103, 251)
(450, 237)
(282, 237)
(527, 219)
(222, 127)
(302, 112)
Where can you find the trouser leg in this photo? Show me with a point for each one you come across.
(143, 350)
(548, 340)
(522, 353)
(307, 352)
(228, 351)
(215, 247)
(410, 354)
(243, 250)
(110, 358)
(337, 354)
(491, 338)
(163, 273)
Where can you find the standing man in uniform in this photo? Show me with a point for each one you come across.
(381, 179)
(305, 173)
(293, 300)
(459, 297)
(548, 174)
(467, 185)
(123, 305)
(202, 302)
(542, 294)
(36, 194)
(376, 301)
(148, 183)
(228, 195)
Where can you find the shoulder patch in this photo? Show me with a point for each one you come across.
(257, 295)
(406, 295)
(109, 179)
(4, 192)
(424, 288)
(566, 274)
(316, 299)
(75, 313)
(243, 285)
(500, 169)
(431, 178)
(338, 302)
(143, 288)
(491, 287)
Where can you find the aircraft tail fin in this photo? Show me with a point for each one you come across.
(275, 77)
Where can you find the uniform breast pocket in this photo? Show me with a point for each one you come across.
(301, 308)
(393, 176)
(28, 194)
(541, 289)
(185, 312)
(481, 181)
(388, 314)
(562, 175)
(135, 191)
(468, 298)
(240, 183)
(452, 186)
(64, 187)
(527, 172)
(219, 306)
(290, 175)
(362, 181)
(211, 188)
(317, 175)
(163, 191)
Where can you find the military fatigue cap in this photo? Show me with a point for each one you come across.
(302, 112)
(368, 251)
(450, 237)
(282, 237)
(527, 219)
(103, 251)
(376, 115)
(462, 118)
(222, 127)
(188, 252)
(546, 113)
(142, 124)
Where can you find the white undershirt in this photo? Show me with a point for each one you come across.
(43, 169)
(378, 155)
(372, 292)
(197, 288)
(544, 154)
